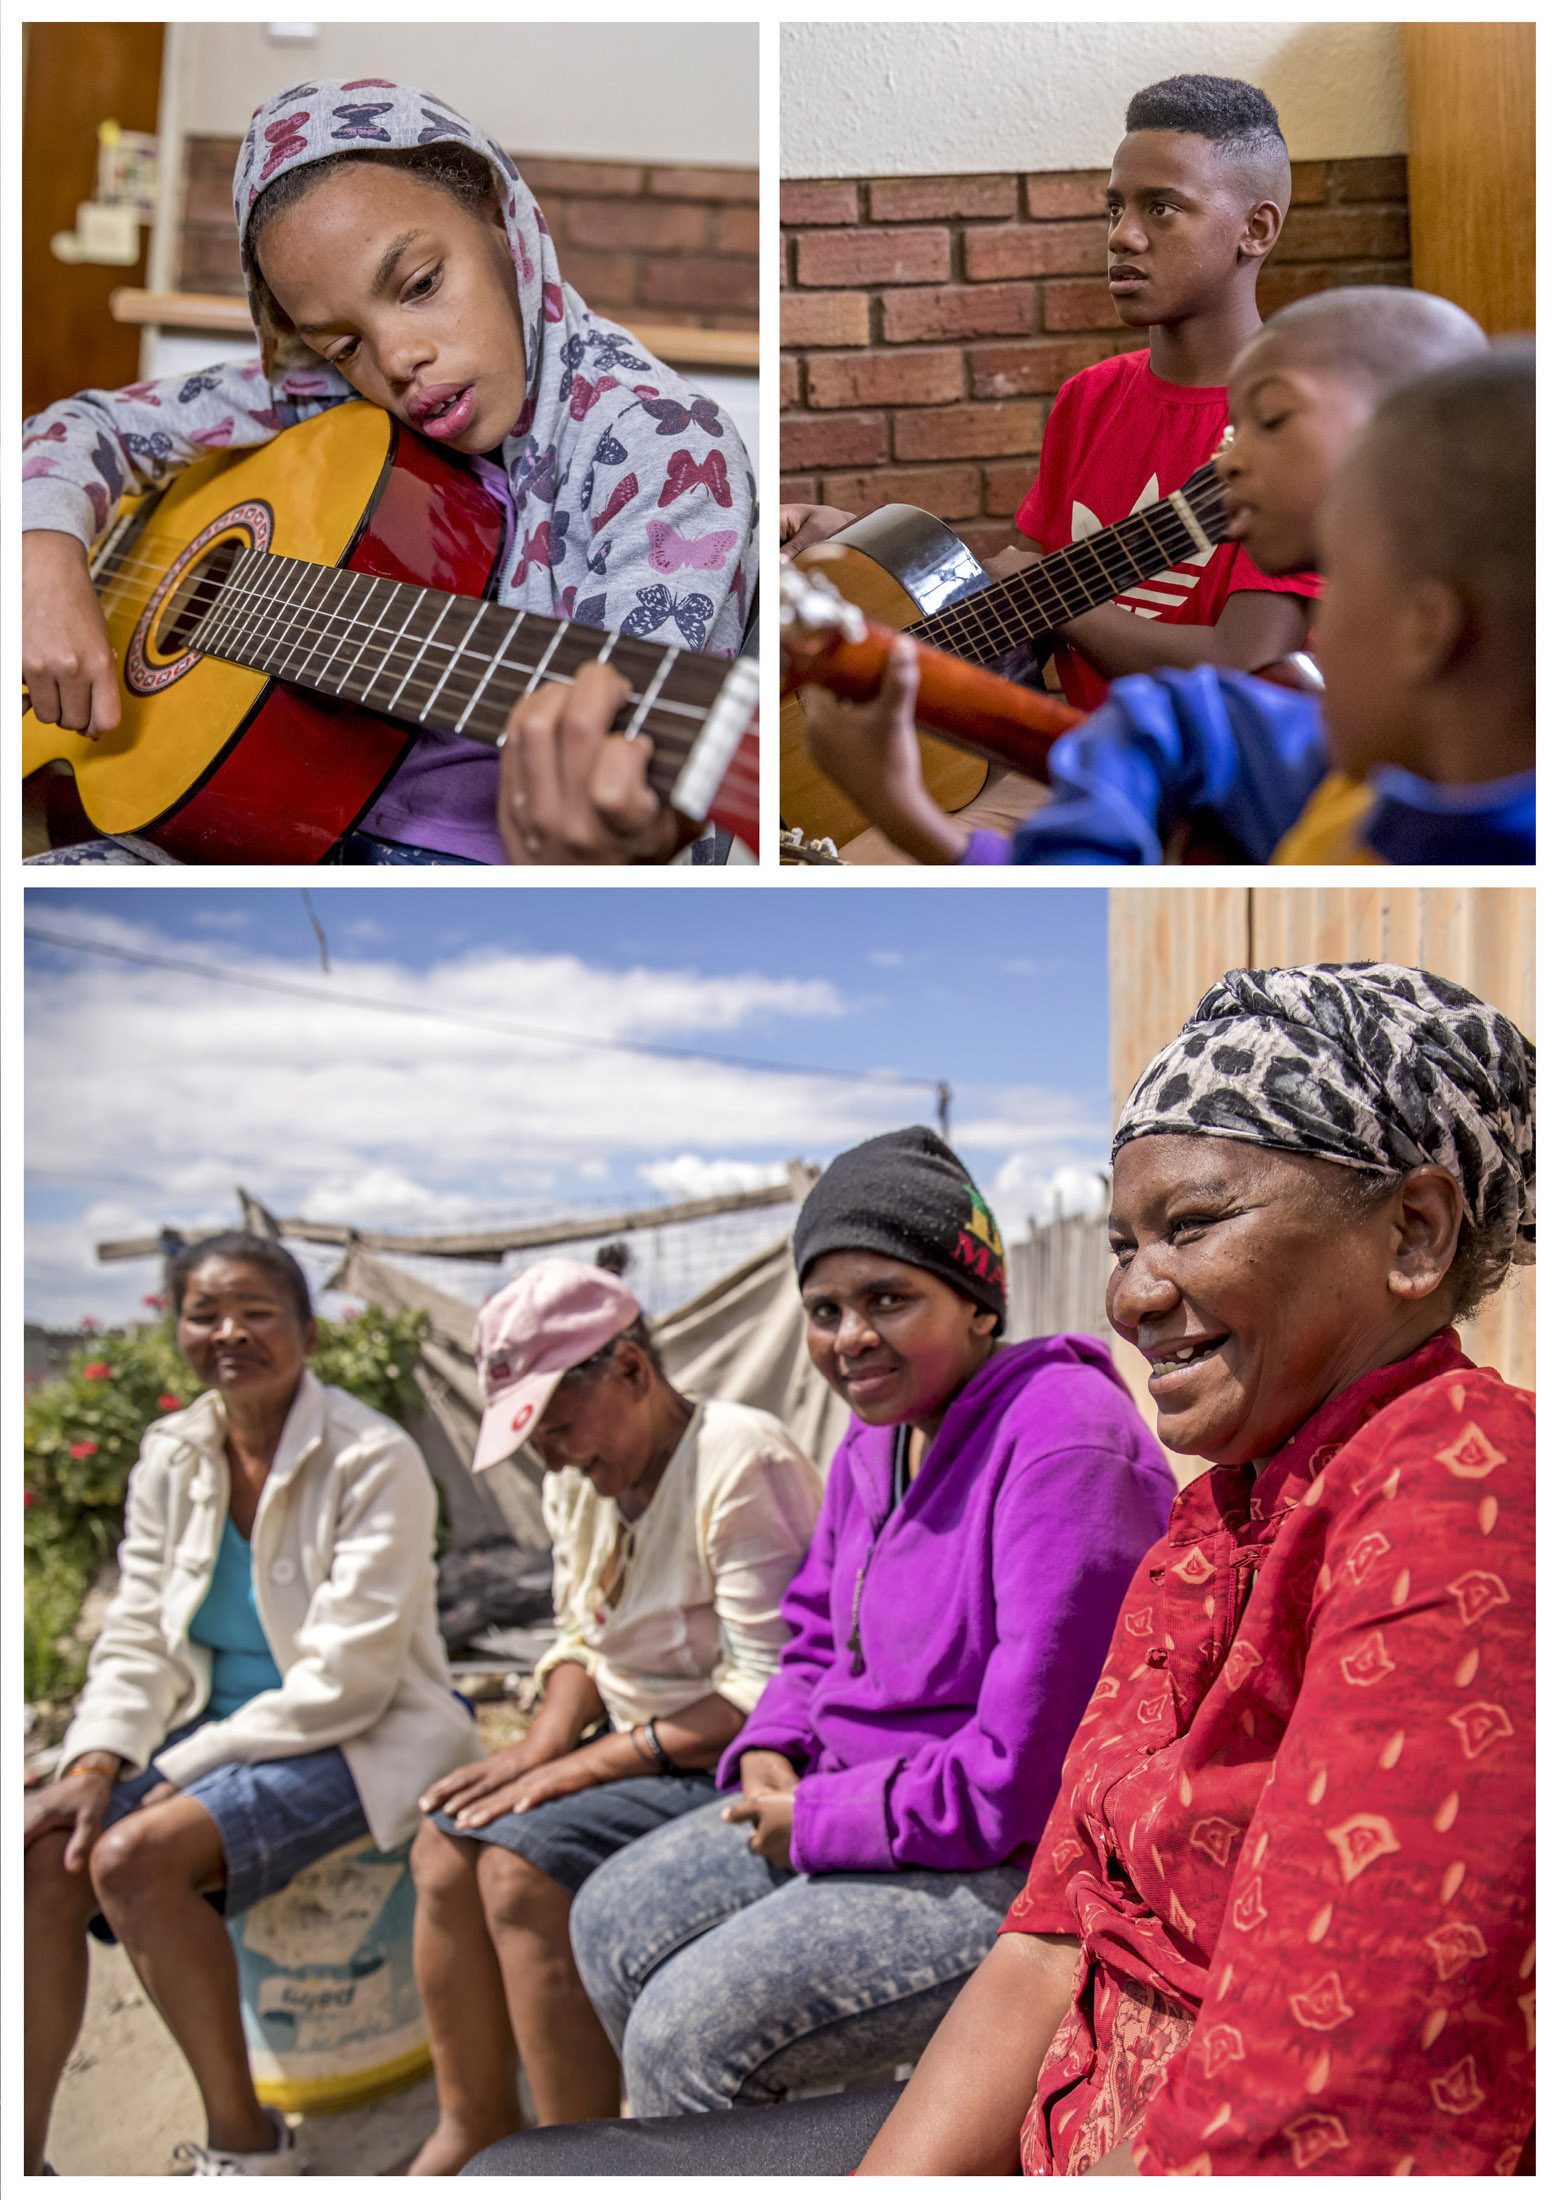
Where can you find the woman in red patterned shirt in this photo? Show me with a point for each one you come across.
(1280, 1920)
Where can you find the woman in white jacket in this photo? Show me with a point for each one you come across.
(269, 1684)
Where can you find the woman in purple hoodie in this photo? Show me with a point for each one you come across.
(982, 1520)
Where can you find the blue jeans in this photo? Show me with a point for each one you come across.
(722, 1979)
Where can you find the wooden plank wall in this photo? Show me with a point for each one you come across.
(1166, 945)
(1469, 99)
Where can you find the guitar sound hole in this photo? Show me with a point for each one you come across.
(194, 595)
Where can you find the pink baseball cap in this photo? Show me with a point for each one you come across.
(549, 1318)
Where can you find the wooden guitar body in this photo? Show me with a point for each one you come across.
(899, 565)
(220, 764)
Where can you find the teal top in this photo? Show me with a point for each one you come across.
(228, 1624)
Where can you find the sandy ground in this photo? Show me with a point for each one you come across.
(127, 2099)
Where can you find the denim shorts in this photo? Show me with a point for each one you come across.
(573, 1835)
(273, 1818)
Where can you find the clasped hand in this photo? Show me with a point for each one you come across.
(767, 1785)
(512, 1780)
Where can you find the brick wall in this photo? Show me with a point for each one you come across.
(664, 244)
(927, 322)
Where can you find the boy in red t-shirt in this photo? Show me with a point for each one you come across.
(1196, 198)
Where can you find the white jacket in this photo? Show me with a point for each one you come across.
(344, 1586)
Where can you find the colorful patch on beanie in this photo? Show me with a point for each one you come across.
(979, 1245)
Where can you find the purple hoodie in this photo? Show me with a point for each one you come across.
(982, 1606)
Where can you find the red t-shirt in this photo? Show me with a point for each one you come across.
(1295, 1829)
(1119, 438)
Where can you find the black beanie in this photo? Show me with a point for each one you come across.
(907, 1195)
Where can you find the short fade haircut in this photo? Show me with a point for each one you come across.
(1451, 457)
(1237, 118)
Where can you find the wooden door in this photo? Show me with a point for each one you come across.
(76, 75)
(1469, 94)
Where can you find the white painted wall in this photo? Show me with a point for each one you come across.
(917, 99)
(589, 91)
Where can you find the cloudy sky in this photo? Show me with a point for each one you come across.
(474, 1090)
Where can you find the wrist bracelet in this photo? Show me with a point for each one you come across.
(662, 1756)
(633, 1734)
(87, 1772)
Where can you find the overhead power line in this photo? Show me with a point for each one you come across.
(293, 990)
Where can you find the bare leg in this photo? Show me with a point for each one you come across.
(58, 1906)
(572, 2066)
(150, 1871)
(474, 2058)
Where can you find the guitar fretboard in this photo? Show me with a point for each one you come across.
(457, 664)
(1091, 572)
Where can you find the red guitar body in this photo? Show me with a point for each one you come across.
(301, 769)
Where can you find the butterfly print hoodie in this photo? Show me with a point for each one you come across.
(629, 498)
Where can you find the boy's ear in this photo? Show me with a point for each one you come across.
(1435, 628)
(1261, 230)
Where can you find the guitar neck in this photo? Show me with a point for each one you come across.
(1091, 572)
(458, 664)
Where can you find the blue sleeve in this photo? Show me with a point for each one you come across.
(1165, 745)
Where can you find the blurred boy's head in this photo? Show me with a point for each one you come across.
(1198, 191)
(1426, 630)
(1303, 389)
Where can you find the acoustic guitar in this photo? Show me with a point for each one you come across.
(906, 569)
(286, 619)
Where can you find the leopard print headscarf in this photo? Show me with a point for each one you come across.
(1368, 1064)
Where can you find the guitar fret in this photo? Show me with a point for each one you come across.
(388, 657)
(250, 606)
(418, 659)
(347, 590)
(635, 724)
(424, 709)
(539, 672)
(480, 686)
(307, 637)
(370, 630)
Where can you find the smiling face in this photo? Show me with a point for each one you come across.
(1180, 219)
(1293, 423)
(1254, 1291)
(240, 1330)
(603, 1426)
(411, 295)
(894, 1341)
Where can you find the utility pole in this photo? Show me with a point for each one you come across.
(943, 1109)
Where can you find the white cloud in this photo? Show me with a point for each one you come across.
(1024, 1192)
(887, 957)
(695, 1176)
(152, 1095)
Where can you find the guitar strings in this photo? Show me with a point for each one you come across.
(975, 619)
(290, 631)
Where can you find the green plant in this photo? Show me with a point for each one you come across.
(83, 1432)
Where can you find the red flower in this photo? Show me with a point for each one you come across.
(156, 1300)
(89, 1322)
(82, 1451)
(26, 1499)
(168, 1402)
(97, 1371)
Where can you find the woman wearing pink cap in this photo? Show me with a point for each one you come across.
(676, 1525)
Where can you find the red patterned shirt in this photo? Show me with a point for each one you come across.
(1295, 1830)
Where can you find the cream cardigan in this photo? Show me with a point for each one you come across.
(345, 1590)
(706, 1568)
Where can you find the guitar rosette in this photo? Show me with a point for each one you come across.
(158, 653)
